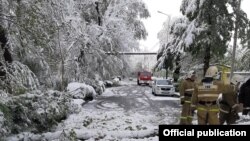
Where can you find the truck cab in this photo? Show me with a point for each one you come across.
(144, 77)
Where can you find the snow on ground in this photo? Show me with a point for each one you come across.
(104, 106)
(244, 119)
(101, 124)
(119, 124)
(110, 121)
(115, 123)
(111, 92)
(126, 82)
(108, 92)
(164, 98)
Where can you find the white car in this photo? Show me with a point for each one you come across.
(163, 87)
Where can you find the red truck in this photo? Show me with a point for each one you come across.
(144, 77)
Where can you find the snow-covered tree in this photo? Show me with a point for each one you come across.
(205, 33)
(211, 26)
(171, 54)
(66, 40)
(243, 24)
(244, 61)
(242, 58)
(209, 31)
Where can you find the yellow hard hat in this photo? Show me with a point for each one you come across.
(212, 72)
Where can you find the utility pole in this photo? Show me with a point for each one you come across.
(235, 39)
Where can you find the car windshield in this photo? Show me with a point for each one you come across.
(145, 74)
(163, 82)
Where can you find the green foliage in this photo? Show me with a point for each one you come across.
(9, 117)
(243, 23)
(20, 90)
(34, 113)
(244, 61)
(19, 79)
(6, 111)
(72, 135)
(209, 31)
(213, 26)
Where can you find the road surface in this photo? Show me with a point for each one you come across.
(125, 113)
(131, 108)
(131, 98)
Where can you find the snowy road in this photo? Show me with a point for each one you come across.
(126, 113)
(133, 98)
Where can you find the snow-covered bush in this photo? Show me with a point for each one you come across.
(116, 81)
(4, 128)
(2, 119)
(81, 91)
(34, 112)
(18, 79)
(100, 87)
(112, 83)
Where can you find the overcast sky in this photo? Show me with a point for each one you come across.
(171, 7)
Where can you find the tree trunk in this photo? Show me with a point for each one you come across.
(178, 68)
(2, 72)
(166, 74)
(166, 66)
(99, 14)
(3, 38)
(7, 55)
(62, 61)
(248, 37)
(235, 39)
(207, 57)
